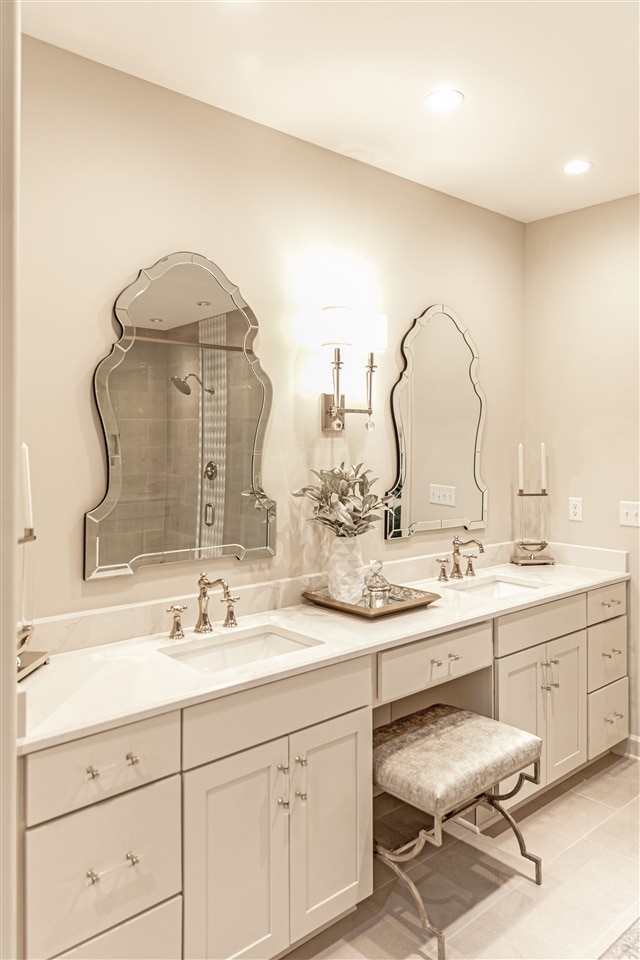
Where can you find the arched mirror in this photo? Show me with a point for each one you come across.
(184, 404)
(438, 412)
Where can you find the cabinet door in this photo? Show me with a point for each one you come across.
(521, 702)
(566, 735)
(236, 872)
(331, 813)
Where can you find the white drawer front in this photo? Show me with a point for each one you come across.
(608, 714)
(222, 727)
(526, 628)
(416, 666)
(75, 774)
(606, 602)
(607, 659)
(62, 906)
(156, 933)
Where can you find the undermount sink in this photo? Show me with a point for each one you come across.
(213, 653)
(493, 587)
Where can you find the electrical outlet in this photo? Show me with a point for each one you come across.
(629, 513)
(575, 508)
(445, 496)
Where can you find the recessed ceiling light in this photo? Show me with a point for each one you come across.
(203, 303)
(578, 166)
(156, 320)
(444, 100)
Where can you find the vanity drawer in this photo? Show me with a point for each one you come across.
(221, 727)
(156, 933)
(608, 716)
(606, 602)
(62, 906)
(607, 656)
(526, 628)
(424, 663)
(73, 775)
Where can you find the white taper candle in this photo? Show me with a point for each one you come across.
(543, 467)
(520, 467)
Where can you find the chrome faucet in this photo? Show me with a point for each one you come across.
(456, 572)
(204, 624)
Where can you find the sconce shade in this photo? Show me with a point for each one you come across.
(344, 327)
(376, 333)
(337, 327)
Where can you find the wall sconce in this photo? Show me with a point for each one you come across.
(342, 327)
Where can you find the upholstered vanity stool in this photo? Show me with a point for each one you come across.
(445, 761)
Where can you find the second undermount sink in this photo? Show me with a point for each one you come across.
(213, 653)
(493, 587)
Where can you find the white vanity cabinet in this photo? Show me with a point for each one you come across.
(561, 672)
(103, 844)
(608, 684)
(277, 836)
(542, 687)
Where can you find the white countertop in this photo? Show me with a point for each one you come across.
(90, 690)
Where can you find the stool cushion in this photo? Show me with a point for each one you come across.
(442, 757)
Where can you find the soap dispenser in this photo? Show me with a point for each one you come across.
(376, 588)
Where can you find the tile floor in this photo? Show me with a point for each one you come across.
(481, 892)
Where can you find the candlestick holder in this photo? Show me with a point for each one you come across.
(529, 549)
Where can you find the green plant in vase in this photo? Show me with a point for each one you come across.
(343, 502)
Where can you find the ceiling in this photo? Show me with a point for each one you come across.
(544, 82)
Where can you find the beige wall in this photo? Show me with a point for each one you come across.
(582, 375)
(118, 173)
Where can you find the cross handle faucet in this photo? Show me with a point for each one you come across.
(204, 624)
(456, 571)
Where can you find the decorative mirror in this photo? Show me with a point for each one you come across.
(184, 404)
(438, 412)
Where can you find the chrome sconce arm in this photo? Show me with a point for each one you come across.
(333, 405)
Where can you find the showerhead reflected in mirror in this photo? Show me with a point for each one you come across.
(163, 503)
(180, 383)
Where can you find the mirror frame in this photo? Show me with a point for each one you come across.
(92, 567)
(398, 524)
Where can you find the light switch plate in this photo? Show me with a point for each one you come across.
(439, 493)
(629, 513)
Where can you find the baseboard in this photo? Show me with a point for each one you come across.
(628, 748)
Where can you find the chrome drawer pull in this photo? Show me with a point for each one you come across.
(282, 767)
(607, 655)
(545, 686)
(94, 876)
(284, 804)
(301, 795)
(552, 661)
(616, 651)
(130, 761)
(436, 663)
(611, 603)
(455, 656)
(556, 685)
(608, 720)
(618, 716)
(302, 761)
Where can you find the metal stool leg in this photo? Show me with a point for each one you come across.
(392, 860)
(516, 829)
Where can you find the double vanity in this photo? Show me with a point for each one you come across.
(211, 797)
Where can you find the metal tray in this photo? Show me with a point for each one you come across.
(400, 599)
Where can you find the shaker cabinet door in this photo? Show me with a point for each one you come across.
(330, 823)
(566, 735)
(236, 875)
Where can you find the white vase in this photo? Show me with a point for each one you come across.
(345, 569)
